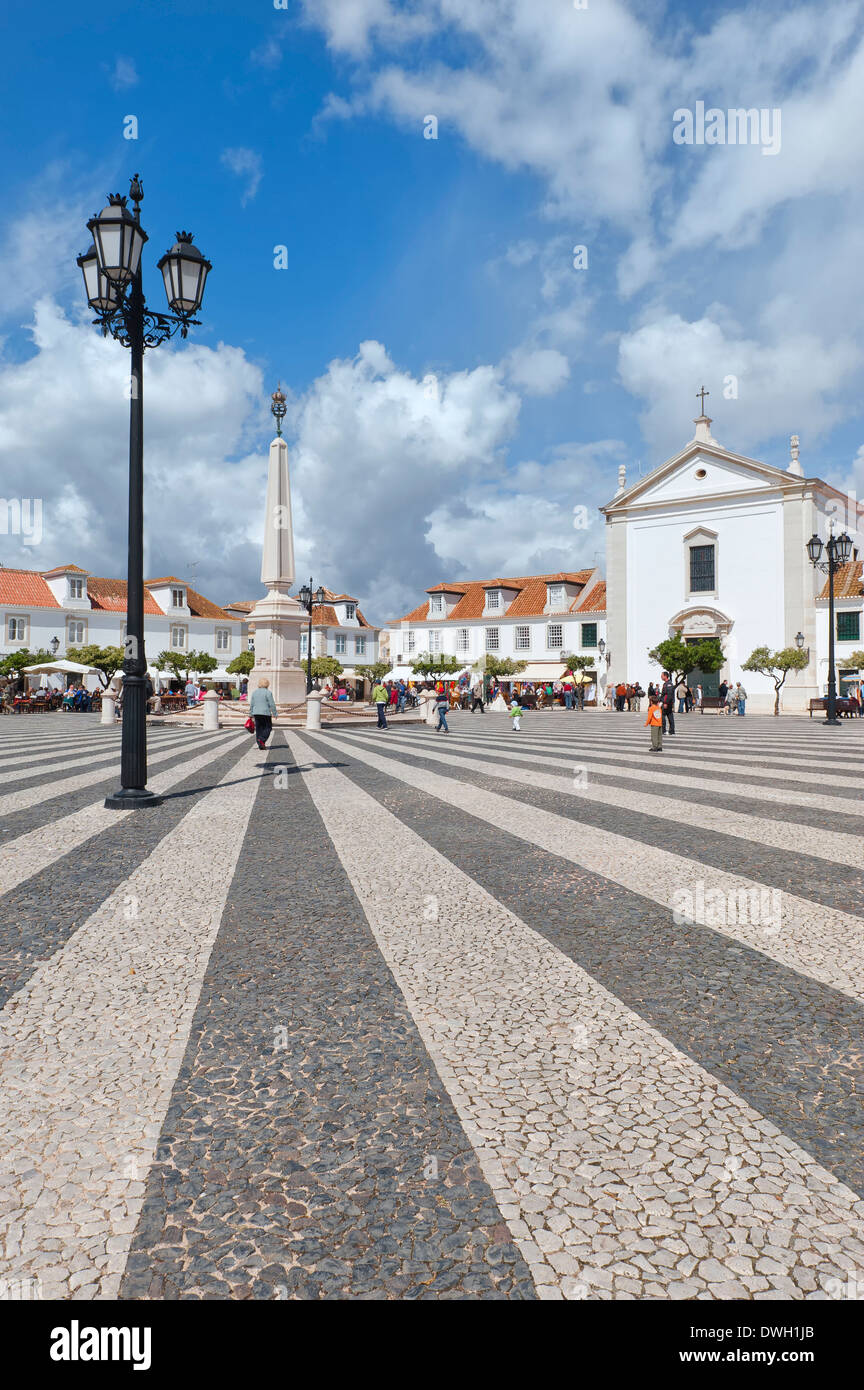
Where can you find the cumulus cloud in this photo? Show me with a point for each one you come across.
(204, 486)
(539, 371)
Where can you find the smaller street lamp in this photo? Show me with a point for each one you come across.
(839, 550)
(310, 598)
(54, 644)
(601, 645)
(799, 641)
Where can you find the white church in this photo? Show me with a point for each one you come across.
(713, 544)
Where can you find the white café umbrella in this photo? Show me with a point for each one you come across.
(71, 668)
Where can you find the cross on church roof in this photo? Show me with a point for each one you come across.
(703, 393)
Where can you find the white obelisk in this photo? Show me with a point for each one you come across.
(277, 618)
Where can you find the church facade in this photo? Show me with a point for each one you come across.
(713, 544)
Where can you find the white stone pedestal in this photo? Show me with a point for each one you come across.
(108, 702)
(429, 712)
(313, 709)
(211, 712)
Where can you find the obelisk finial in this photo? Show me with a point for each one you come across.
(279, 407)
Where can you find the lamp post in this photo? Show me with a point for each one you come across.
(838, 549)
(54, 644)
(309, 598)
(113, 284)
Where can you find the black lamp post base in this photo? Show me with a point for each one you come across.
(835, 720)
(132, 799)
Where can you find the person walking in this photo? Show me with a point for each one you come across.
(723, 692)
(699, 693)
(667, 703)
(379, 700)
(515, 713)
(191, 693)
(654, 722)
(442, 704)
(681, 696)
(477, 695)
(262, 708)
(740, 698)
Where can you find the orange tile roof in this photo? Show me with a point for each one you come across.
(595, 602)
(847, 581)
(530, 601)
(25, 587)
(242, 605)
(165, 579)
(110, 596)
(64, 569)
(201, 607)
(324, 615)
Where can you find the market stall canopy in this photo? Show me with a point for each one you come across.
(402, 673)
(538, 673)
(69, 668)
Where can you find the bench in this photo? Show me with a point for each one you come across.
(843, 705)
(711, 702)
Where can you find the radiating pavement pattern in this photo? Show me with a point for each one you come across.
(406, 1015)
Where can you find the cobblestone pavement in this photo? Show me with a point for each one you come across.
(405, 1015)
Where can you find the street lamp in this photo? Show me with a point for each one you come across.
(54, 644)
(310, 598)
(113, 285)
(601, 645)
(839, 549)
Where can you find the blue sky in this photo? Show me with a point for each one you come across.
(303, 127)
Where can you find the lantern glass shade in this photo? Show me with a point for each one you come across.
(601, 646)
(799, 640)
(54, 644)
(843, 548)
(305, 595)
(320, 596)
(118, 239)
(814, 548)
(101, 293)
(184, 271)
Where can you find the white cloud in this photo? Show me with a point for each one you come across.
(64, 428)
(350, 25)
(539, 371)
(246, 164)
(123, 75)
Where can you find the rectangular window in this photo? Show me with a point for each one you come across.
(223, 639)
(178, 598)
(178, 638)
(523, 639)
(360, 646)
(76, 588)
(341, 644)
(350, 610)
(493, 598)
(554, 636)
(556, 596)
(409, 641)
(492, 639)
(461, 639)
(16, 629)
(434, 641)
(701, 568)
(75, 634)
(589, 634)
(848, 627)
(304, 643)
(437, 604)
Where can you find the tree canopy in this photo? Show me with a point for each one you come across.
(375, 672)
(15, 662)
(107, 660)
(324, 666)
(436, 663)
(242, 664)
(678, 657)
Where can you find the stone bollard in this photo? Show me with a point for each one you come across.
(109, 697)
(211, 712)
(313, 709)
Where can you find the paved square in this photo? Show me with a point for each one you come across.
(406, 1015)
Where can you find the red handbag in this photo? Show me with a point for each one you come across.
(250, 725)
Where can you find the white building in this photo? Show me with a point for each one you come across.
(532, 618)
(712, 543)
(340, 630)
(79, 609)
